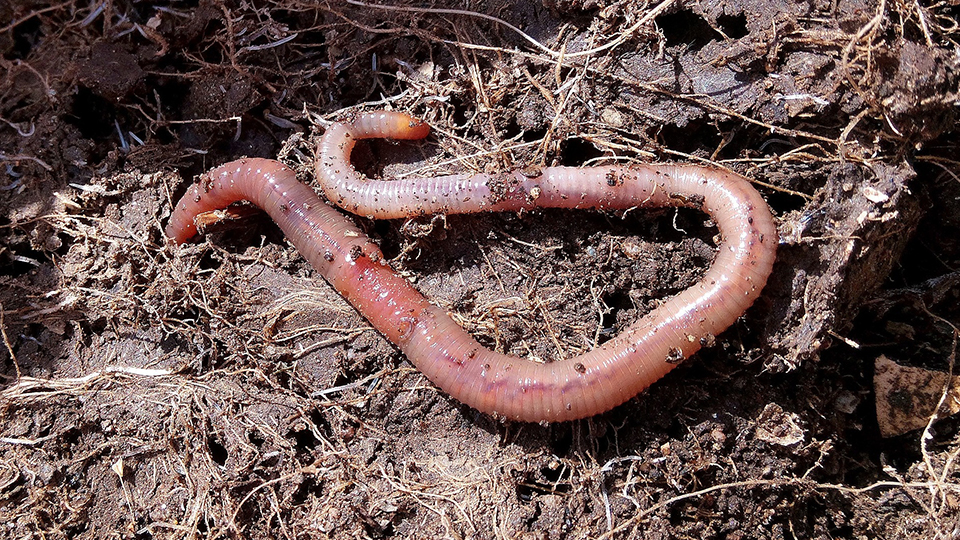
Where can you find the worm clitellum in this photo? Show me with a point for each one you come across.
(491, 382)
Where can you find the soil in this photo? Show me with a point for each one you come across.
(221, 390)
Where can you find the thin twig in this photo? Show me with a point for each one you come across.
(6, 341)
(621, 38)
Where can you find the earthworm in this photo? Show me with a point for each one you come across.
(502, 385)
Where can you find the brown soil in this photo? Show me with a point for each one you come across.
(220, 390)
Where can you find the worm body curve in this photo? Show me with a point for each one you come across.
(495, 383)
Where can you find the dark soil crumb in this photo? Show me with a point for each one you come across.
(221, 390)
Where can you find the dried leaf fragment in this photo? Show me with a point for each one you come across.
(907, 396)
(779, 427)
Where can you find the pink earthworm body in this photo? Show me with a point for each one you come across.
(494, 383)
